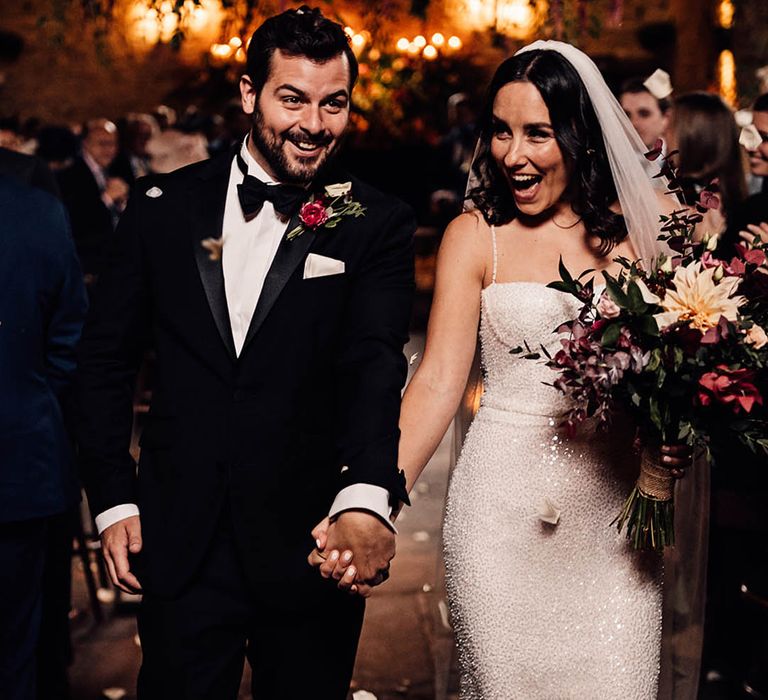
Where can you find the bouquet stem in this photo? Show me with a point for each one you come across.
(649, 511)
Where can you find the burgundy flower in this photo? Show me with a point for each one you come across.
(708, 200)
(313, 214)
(730, 387)
(656, 151)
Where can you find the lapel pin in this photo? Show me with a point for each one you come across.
(154, 192)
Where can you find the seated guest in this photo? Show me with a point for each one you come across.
(93, 198)
(42, 310)
(648, 114)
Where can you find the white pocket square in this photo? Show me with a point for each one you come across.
(321, 266)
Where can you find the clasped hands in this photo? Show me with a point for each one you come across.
(355, 550)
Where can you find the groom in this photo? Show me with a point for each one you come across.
(278, 336)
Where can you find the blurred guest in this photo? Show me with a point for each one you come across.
(648, 114)
(132, 162)
(42, 312)
(235, 125)
(57, 146)
(702, 128)
(455, 153)
(93, 198)
(754, 210)
(165, 116)
(173, 149)
(27, 169)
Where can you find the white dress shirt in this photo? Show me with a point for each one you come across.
(249, 247)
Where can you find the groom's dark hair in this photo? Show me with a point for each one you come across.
(303, 32)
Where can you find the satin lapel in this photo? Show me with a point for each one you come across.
(289, 255)
(207, 209)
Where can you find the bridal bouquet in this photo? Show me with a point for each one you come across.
(682, 347)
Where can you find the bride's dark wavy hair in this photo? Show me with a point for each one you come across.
(591, 190)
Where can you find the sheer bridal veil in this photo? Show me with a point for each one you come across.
(685, 565)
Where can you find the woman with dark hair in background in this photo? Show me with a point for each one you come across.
(703, 130)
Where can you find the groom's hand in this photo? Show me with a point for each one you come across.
(116, 542)
(372, 543)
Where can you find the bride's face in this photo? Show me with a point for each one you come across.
(524, 148)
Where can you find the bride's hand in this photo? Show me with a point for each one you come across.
(677, 458)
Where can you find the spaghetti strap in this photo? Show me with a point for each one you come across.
(495, 254)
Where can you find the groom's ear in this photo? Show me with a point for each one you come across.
(248, 94)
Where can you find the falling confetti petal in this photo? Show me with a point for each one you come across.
(750, 137)
(549, 512)
(363, 695)
(114, 693)
(413, 358)
(426, 588)
(421, 536)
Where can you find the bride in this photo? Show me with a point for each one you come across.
(547, 600)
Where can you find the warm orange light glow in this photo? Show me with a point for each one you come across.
(420, 41)
(413, 48)
(725, 12)
(235, 42)
(358, 41)
(221, 51)
(514, 17)
(455, 43)
(349, 32)
(726, 75)
(402, 44)
(438, 39)
(429, 52)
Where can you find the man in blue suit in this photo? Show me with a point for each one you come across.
(42, 308)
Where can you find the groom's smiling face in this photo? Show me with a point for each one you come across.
(299, 116)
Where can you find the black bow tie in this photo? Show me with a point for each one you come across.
(286, 199)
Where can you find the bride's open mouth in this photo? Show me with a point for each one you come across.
(525, 186)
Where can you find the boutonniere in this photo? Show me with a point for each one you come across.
(326, 209)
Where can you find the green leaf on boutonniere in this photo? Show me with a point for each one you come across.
(611, 334)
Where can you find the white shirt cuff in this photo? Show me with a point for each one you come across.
(115, 515)
(373, 499)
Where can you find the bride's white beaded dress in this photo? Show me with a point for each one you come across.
(547, 600)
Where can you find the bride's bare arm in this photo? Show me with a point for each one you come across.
(435, 390)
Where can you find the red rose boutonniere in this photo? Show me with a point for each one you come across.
(327, 209)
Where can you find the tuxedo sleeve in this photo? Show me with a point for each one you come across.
(111, 349)
(371, 368)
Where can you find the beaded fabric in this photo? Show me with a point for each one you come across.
(547, 600)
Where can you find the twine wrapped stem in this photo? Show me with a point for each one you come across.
(649, 512)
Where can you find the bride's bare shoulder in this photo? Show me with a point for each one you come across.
(466, 242)
(470, 227)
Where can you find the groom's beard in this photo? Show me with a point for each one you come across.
(298, 171)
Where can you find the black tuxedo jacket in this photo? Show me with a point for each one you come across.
(91, 219)
(310, 406)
